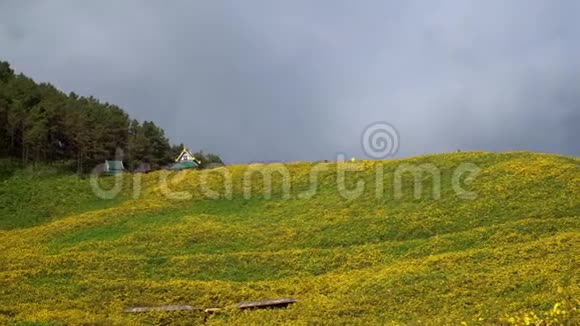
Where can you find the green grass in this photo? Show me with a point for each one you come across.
(507, 253)
(28, 198)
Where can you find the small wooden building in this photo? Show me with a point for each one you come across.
(113, 167)
(185, 160)
(185, 156)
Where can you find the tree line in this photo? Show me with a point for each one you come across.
(41, 124)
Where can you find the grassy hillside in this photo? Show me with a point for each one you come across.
(30, 198)
(510, 255)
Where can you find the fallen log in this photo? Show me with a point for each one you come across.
(276, 303)
(176, 307)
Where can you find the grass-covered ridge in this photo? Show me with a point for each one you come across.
(511, 251)
(29, 198)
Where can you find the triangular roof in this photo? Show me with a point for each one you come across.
(185, 152)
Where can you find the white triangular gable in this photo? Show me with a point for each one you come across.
(185, 155)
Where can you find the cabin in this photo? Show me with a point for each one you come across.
(185, 160)
(185, 156)
(113, 167)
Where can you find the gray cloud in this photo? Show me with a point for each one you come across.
(300, 80)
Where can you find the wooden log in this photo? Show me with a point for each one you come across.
(213, 310)
(162, 308)
(276, 303)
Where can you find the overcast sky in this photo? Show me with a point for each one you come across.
(300, 80)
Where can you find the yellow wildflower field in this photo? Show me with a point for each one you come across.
(388, 254)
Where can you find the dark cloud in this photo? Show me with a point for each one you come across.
(300, 80)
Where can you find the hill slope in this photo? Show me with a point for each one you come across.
(509, 251)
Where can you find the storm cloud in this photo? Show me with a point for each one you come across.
(300, 80)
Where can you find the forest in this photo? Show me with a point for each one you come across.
(39, 124)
